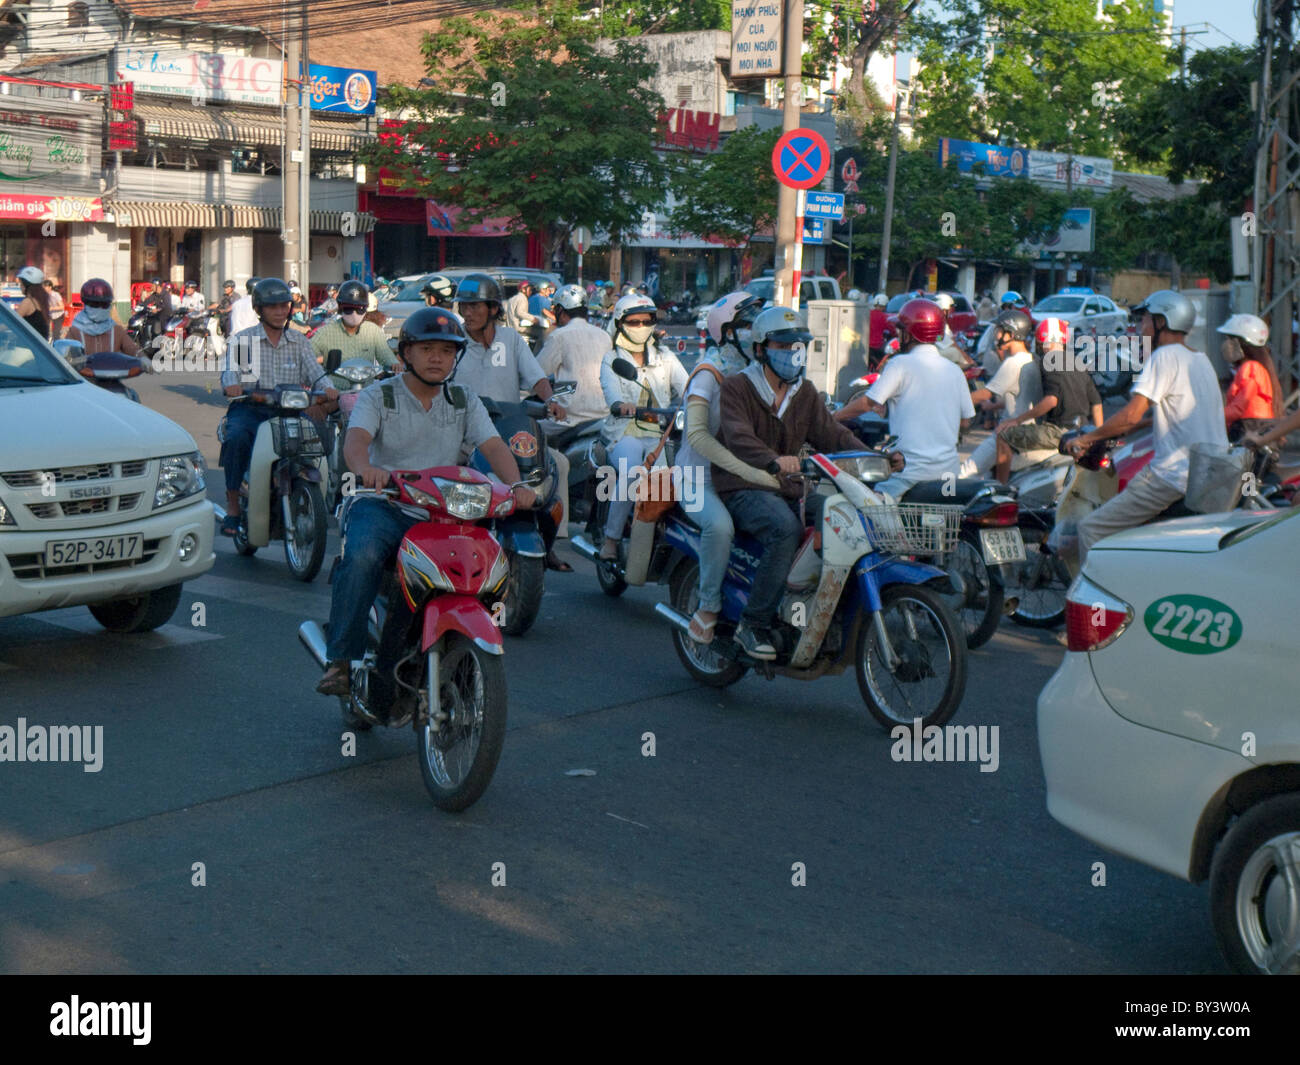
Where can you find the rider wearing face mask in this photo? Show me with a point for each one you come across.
(659, 374)
(94, 327)
(350, 333)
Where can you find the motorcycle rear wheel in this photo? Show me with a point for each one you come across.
(705, 665)
(980, 609)
(304, 542)
(1044, 580)
(522, 601)
(458, 760)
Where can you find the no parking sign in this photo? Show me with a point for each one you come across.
(801, 158)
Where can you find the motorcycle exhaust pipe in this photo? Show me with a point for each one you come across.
(674, 617)
(585, 548)
(313, 638)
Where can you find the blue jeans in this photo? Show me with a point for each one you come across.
(772, 520)
(242, 422)
(716, 533)
(372, 533)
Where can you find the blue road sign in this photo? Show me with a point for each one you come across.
(824, 205)
(814, 231)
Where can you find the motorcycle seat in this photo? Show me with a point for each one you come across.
(958, 493)
(570, 433)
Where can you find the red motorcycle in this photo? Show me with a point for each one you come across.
(448, 679)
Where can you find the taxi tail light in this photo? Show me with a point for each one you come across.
(1093, 617)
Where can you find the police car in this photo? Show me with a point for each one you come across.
(1169, 733)
(1086, 311)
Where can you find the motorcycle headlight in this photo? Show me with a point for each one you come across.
(295, 399)
(468, 502)
(355, 374)
(869, 469)
(178, 476)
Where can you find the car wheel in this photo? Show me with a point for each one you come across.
(1255, 889)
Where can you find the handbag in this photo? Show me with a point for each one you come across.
(656, 493)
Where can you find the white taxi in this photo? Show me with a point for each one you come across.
(1171, 731)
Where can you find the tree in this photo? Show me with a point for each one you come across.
(527, 118)
(731, 193)
(1045, 74)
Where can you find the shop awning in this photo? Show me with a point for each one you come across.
(234, 125)
(135, 214)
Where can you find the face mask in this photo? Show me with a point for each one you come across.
(98, 315)
(639, 334)
(743, 338)
(729, 359)
(353, 319)
(787, 363)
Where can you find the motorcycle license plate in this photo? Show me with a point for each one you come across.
(88, 552)
(1002, 545)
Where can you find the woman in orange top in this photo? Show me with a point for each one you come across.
(1254, 398)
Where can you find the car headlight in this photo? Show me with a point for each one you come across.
(178, 476)
(469, 502)
(6, 518)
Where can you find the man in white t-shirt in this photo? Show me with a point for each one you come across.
(1180, 389)
(1015, 387)
(925, 398)
(574, 352)
(242, 315)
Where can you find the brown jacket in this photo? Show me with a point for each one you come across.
(754, 434)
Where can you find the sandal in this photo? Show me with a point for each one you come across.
(608, 554)
(702, 631)
(337, 679)
(557, 564)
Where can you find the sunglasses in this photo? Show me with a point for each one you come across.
(96, 303)
(638, 321)
(351, 308)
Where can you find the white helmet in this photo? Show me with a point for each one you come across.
(787, 328)
(571, 297)
(32, 275)
(943, 300)
(855, 295)
(1176, 309)
(633, 303)
(1248, 327)
(724, 312)
(879, 300)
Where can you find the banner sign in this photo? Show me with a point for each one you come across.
(54, 144)
(52, 208)
(445, 222)
(1075, 235)
(996, 160)
(202, 75)
(755, 38)
(343, 89)
(1090, 172)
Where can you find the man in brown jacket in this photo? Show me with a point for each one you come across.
(768, 413)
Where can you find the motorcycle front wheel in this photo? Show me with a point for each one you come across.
(241, 532)
(522, 601)
(978, 605)
(929, 675)
(304, 539)
(459, 753)
(608, 574)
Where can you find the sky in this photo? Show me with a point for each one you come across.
(1230, 21)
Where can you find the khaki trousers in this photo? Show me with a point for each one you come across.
(1142, 499)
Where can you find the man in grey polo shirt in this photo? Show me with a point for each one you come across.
(412, 423)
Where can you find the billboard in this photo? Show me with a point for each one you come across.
(342, 89)
(50, 146)
(996, 160)
(1090, 172)
(755, 38)
(1075, 235)
(202, 75)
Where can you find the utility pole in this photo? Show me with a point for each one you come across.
(304, 174)
(889, 196)
(291, 161)
(787, 199)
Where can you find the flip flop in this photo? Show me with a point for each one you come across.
(700, 630)
(336, 681)
(557, 564)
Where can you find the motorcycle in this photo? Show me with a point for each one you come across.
(107, 369)
(281, 497)
(853, 599)
(349, 378)
(520, 534)
(448, 680)
(202, 330)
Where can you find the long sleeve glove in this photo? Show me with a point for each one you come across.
(709, 448)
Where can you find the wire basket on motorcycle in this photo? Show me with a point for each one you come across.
(914, 528)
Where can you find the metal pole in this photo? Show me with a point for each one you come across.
(291, 157)
(786, 234)
(797, 270)
(889, 199)
(304, 195)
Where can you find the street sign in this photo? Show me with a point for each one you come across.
(580, 239)
(756, 38)
(850, 173)
(824, 205)
(814, 230)
(681, 346)
(801, 158)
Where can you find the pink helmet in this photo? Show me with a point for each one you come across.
(724, 311)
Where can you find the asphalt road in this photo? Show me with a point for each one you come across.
(216, 750)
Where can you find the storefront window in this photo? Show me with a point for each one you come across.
(13, 249)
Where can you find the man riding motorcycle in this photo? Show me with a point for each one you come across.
(350, 333)
(1180, 388)
(1015, 388)
(438, 291)
(262, 357)
(418, 421)
(222, 307)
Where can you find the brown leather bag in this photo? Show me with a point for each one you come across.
(656, 495)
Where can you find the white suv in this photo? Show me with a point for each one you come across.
(101, 500)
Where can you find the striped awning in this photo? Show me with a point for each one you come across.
(135, 214)
(230, 125)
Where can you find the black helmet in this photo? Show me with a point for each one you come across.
(354, 293)
(1015, 322)
(270, 290)
(478, 288)
(251, 284)
(432, 323)
(227, 284)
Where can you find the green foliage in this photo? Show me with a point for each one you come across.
(730, 193)
(1056, 78)
(530, 121)
(634, 17)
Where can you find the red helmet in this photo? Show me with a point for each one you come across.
(922, 320)
(97, 291)
(1052, 332)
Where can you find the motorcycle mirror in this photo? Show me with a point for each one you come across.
(624, 369)
(392, 345)
(332, 360)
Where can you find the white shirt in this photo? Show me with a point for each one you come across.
(194, 302)
(662, 374)
(1018, 382)
(1187, 406)
(242, 315)
(927, 398)
(501, 371)
(574, 352)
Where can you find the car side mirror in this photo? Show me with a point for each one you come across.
(332, 360)
(71, 350)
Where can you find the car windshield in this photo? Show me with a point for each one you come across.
(1059, 305)
(25, 360)
(405, 291)
(762, 288)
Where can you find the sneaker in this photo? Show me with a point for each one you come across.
(754, 645)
